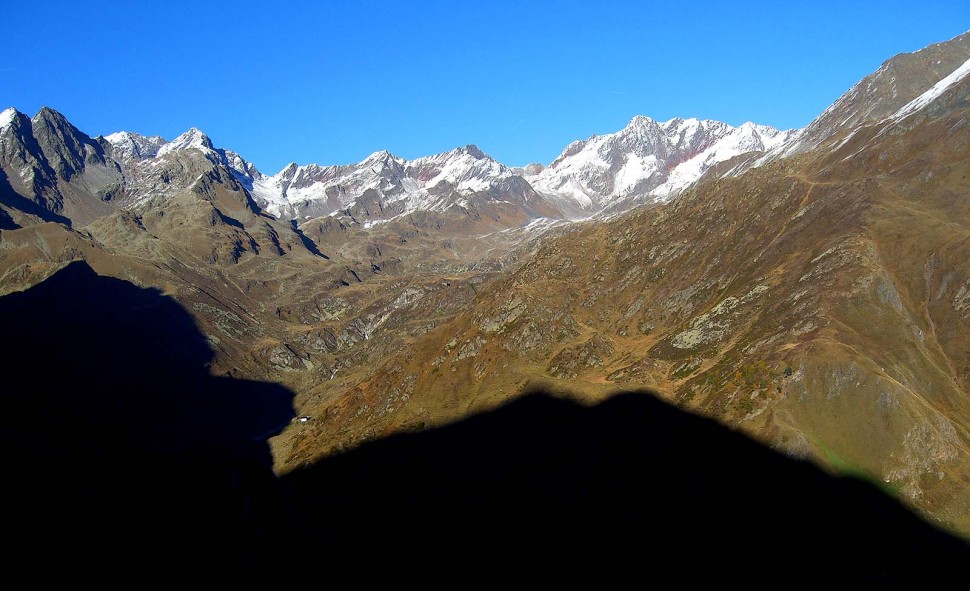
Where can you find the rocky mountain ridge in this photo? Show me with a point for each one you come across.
(645, 161)
(879, 95)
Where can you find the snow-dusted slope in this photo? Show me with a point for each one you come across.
(127, 146)
(934, 92)
(645, 158)
(902, 85)
(430, 183)
(381, 181)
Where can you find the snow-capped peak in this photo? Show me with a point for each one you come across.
(134, 146)
(119, 137)
(7, 117)
(193, 138)
(641, 136)
(430, 182)
(644, 158)
(379, 156)
(473, 151)
(467, 168)
(639, 121)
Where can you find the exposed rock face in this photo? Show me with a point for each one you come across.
(67, 150)
(52, 170)
(27, 174)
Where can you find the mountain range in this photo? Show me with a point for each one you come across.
(809, 288)
(644, 161)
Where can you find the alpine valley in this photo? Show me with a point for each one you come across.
(810, 288)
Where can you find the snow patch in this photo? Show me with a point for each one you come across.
(7, 117)
(934, 92)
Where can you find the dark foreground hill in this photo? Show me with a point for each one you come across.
(118, 445)
(122, 454)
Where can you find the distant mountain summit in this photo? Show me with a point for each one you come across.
(645, 161)
(127, 146)
(432, 183)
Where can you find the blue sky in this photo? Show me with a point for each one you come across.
(330, 82)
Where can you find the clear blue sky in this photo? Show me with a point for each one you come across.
(330, 82)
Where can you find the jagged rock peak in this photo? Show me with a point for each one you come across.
(473, 151)
(640, 121)
(50, 125)
(380, 156)
(50, 115)
(134, 146)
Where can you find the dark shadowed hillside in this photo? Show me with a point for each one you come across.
(629, 487)
(122, 452)
(114, 435)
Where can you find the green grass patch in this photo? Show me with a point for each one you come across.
(844, 467)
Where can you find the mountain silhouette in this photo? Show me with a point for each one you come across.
(631, 487)
(115, 437)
